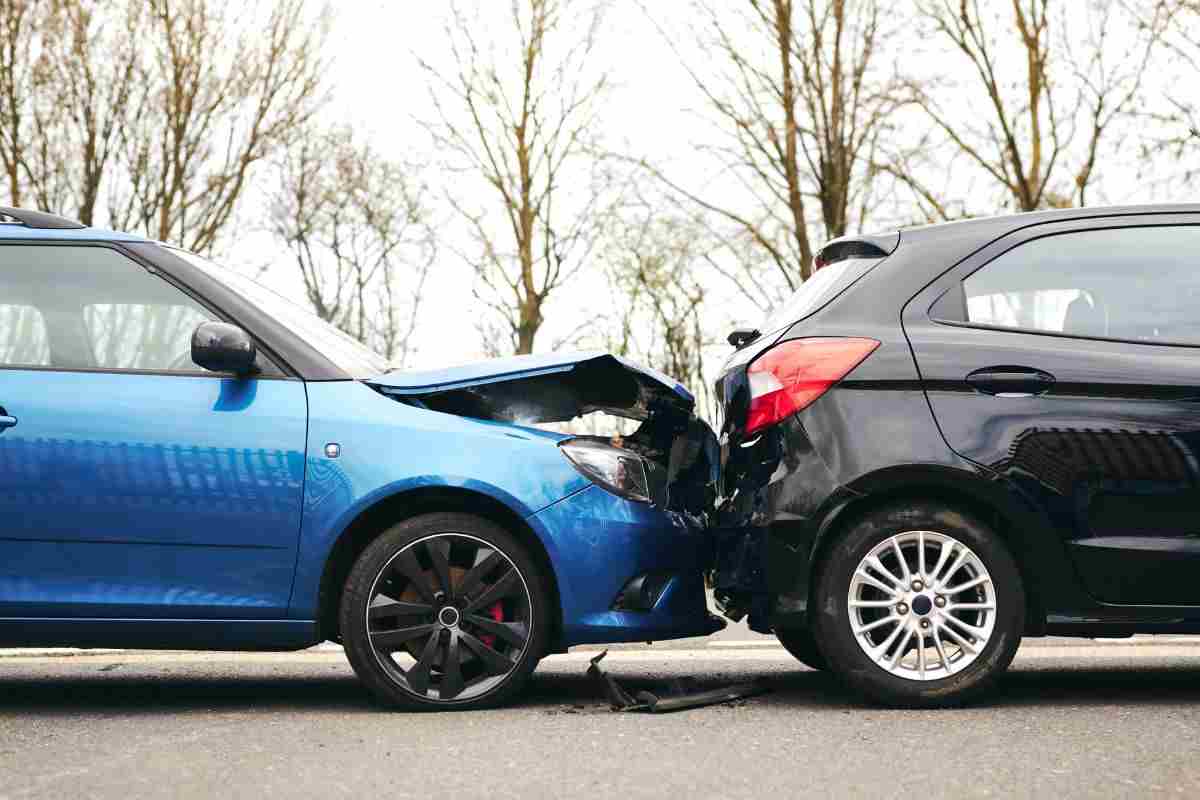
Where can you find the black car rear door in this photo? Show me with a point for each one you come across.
(1066, 358)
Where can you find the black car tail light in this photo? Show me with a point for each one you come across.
(792, 375)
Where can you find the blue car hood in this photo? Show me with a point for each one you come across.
(552, 387)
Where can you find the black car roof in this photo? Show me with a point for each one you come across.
(998, 225)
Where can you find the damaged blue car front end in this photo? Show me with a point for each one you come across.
(628, 544)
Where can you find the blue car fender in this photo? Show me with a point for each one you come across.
(385, 448)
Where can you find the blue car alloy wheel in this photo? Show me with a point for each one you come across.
(444, 611)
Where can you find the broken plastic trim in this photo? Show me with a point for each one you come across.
(681, 694)
(642, 592)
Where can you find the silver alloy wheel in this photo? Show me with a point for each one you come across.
(922, 605)
(449, 617)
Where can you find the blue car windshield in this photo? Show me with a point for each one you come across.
(350, 355)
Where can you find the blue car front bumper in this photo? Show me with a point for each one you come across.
(599, 542)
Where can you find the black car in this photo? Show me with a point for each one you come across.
(955, 436)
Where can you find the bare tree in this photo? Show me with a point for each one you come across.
(801, 124)
(359, 235)
(1080, 68)
(92, 53)
(660, 298)
(21, 70)
(521, 118)
(220, 90)
(152, 115)
(1174, 120)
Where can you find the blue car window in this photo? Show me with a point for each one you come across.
(153, 336)
(23, 338)
(79, 306)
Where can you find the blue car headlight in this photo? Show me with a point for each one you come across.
(620, 471)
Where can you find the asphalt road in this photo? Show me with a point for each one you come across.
(1072, 720)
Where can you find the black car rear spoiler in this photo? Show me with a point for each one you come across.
(878, 245)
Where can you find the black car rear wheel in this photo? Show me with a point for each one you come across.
(919, 605)
(444, 611)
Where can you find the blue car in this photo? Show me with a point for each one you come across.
(189, 461)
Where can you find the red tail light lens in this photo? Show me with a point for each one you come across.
(790, 376)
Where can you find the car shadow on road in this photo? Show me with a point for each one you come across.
(807, 689)
(106, 690)
(152, 694)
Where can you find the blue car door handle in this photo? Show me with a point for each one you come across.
(6, 421)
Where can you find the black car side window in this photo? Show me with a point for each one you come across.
(1131, 284)
(87, 307)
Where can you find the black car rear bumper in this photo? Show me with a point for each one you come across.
(777, 495)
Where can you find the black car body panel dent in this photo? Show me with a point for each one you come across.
(1083, 452)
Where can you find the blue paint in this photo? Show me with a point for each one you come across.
(388, 448)
(598, 541)
(180, 498)
(149, 495)
(201, 511)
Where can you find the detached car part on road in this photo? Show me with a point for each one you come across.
(189, 461)
(958, 435)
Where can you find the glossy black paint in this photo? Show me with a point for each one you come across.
(221, 347)
(1092, 478)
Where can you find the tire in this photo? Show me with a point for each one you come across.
(949, 666)
(801, 643)
(441, 591)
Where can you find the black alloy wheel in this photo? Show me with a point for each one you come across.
(444, 611)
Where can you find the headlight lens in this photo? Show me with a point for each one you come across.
(619, 471)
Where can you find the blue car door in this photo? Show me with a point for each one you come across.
(133, 483)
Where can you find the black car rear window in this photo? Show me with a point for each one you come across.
(815, 292)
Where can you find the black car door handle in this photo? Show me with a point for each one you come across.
(1011, 381)
(6, 421)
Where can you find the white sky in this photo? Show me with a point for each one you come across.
(377, 87)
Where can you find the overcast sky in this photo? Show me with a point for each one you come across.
(378, 87)
(653, 111)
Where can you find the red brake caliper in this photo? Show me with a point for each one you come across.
(496, 612)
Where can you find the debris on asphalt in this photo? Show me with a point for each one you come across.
(677, 694)
(575, 708)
